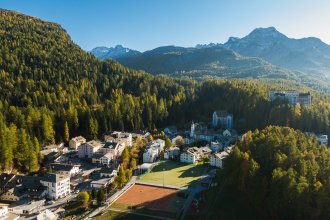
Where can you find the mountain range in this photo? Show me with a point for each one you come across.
(114, 52)
(264, 53)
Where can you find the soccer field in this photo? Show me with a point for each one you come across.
(174, 174)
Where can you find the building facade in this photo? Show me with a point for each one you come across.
(222, 119)
(65, 169)
(293, 97)
(217, 159)
(58, 186)
(74, 143)
(88, 149)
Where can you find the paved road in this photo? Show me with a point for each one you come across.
(193, 192)
(57, 204)
(113, 198)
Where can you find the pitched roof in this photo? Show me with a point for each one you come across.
(94, 143)
(221, 155)
(110, 145)
(52, 177)
(31, 182)
(106, 170)
(8, 180)
(97, 156)
(108, 155)
(79, 139)
(61, 167)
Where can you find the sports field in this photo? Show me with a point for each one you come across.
(147, 200)
(174, 174)
(151, 197)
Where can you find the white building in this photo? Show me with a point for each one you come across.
(114, 148)
(96, 158)
(108, 172)
(194, 154)
(46, 215)
(293, 97)
(323, 139)
(74, 143)
(222, 119)
(58, 186)
(150, 154)
(65, 169)
(106, 159)
(216, 146)
(189, 157)
(101, 183)
(171, 153)
(121, 137)
(88, 149)
(3, 210)
(153, 150)
(159, 143)
(25, 207)
(218, 158)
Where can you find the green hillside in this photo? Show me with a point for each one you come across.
(51, 88)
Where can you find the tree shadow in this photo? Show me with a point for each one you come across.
(167, 165)
(194, 171)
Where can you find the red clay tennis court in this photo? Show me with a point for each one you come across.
(152, 197)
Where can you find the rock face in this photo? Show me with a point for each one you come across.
(308, 55)
(113, 52)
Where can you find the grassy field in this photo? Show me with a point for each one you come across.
(175, 174)
(122, 216)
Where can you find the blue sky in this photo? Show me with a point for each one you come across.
(146, 24)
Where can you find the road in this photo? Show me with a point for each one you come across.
(193, 192)
(112, 198)
(57, 204)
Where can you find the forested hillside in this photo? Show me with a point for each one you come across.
(48, 82)
(283, 173)
(52, 90)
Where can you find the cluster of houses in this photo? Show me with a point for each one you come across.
(50, 185)
(92, 161)
(97, 162)
(18, 191)
(218, 139)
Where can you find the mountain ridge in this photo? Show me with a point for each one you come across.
(309, 55)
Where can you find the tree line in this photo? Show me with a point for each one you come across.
(51, 90)
(283, 172)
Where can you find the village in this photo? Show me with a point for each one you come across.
(86, 165)
(178, 164)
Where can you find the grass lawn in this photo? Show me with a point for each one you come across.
(121, 216)
(175, 174)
